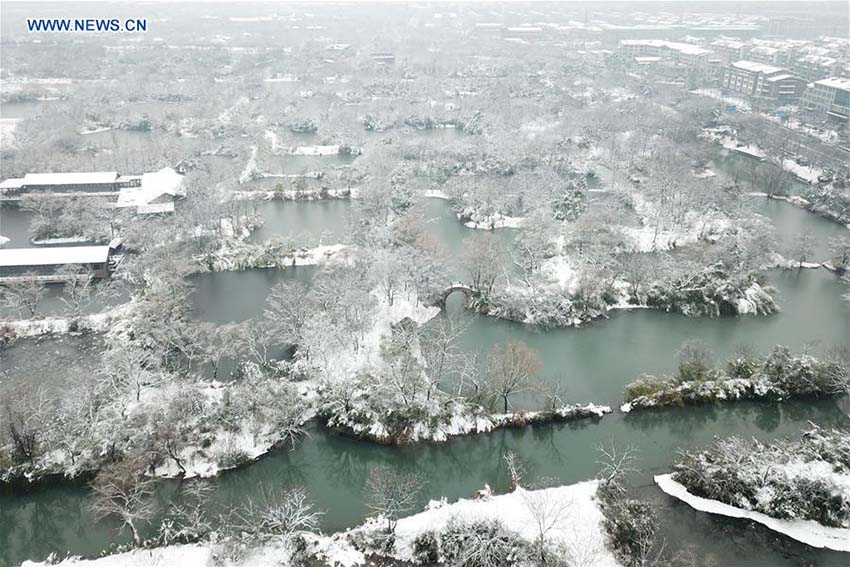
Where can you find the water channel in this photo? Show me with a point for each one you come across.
(594, 364)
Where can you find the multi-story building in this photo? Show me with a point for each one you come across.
(762, 81)
(692, 56)
(814, 67)
(767, 54)
(728, 49)
(828, 99)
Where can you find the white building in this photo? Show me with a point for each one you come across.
(828, 99)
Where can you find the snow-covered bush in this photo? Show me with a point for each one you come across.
(711, 293)
(808, 478)
(481, 543)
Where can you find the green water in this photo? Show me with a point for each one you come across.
(594, 363)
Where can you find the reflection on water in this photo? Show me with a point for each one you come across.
(223, 297)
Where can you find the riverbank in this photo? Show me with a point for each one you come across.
(823, 211)
(799, 487)
(805, 531)
(507, 524)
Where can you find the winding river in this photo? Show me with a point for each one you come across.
(594, 363)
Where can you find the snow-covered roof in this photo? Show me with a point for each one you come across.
(730, 43)
(781, 77)
(166, 181)
(15, 257)
(155, 208)
(82, 178)
(685, 48)
(835, 82)
(755, 67)
(12, 183)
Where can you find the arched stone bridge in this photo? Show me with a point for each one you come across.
(465, 289)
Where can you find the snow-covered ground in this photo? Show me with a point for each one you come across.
(293, 195)
(315, 151)
(806, 531)
(175, 555)
(573, 517)
(97, 322)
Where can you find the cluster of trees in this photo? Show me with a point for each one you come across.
(92, 219)
(778, 376)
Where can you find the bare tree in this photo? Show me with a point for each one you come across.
(77, 293)
(548, 514)
(482, 258)
(27, 413)
(515, 469)
(511, 367)
(803, 247)
(287, 310)
(122, 490)
(23, 295)
(127, 366)
(274, 513)
(391, 494)
(615, 463)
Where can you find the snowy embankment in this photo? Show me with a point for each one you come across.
(436, 194)
(472, 219)
(824, 210)
(58, 241)
(805, 531)
(94, 323)
(778, 376)
(295, 195)
(314, 151)
(245, 256)
(805, 173)
(574, 524)
(461, 419)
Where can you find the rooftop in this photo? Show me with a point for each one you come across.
(685, 48)
(836, 83)
(754, 67)
(19, 257)
(166, 181)
(781, 77)
(12, 183)
(83, 178)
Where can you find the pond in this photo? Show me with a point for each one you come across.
(308, 223)
(593, 364)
